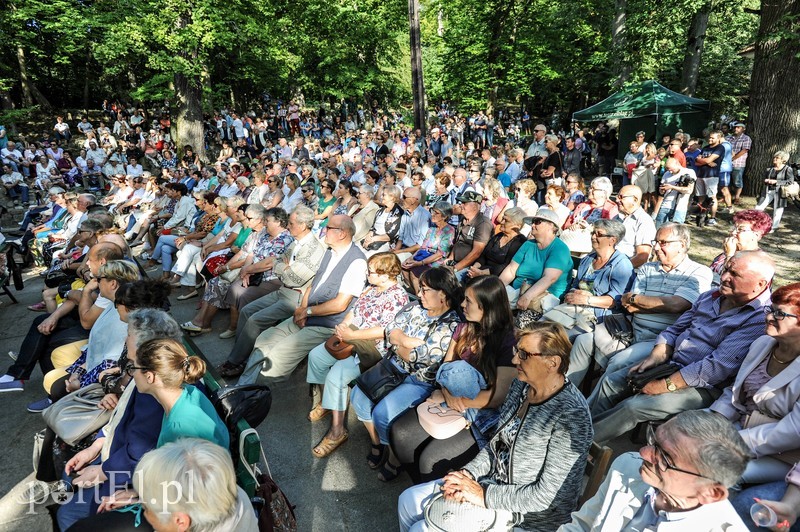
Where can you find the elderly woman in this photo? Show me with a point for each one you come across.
(539, 271)
(603, 276)
(199, 228)
(274, 195)
(362, 328)
(268, 239)
(364, 218)
(524, 190)
(440, 192)
(577, 228)
(418, 338)
(764, 400)
(749, 227)
(243, 186)
(779, 175)
(554, 200)
(483, 345)
(260, 188)
(493, 201)
(531, 471)
(386, 227)
(502, 246)
(434, 248)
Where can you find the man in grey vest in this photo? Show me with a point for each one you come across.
(339, 281)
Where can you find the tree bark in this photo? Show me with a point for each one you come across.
(30, 93)
(619, 42)
(694, 49)
(774, 122)
(189, 115)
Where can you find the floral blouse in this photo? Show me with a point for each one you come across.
(262, 245)
(207, 223)
(374, 308)
(437, 332)
(439, 240)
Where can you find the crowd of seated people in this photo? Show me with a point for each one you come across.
(490, 283)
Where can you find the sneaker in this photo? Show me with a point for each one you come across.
(227, 334)
(12, 386)
(40, 492)
(38, 406)
(711, 221)
(144, 256)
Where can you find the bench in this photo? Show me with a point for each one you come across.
(251, 447)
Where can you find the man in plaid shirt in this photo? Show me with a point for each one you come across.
(741, 145)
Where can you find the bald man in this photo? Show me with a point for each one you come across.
(640, 230)
(705, 346)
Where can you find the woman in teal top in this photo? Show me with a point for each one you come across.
(544, 263)
(162, 368)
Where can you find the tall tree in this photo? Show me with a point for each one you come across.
(694, 49)
(774, 89)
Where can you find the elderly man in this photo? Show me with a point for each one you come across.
(294, 270)
(640, 230)
(472, 234)
(97, 153)
(460, 186)
(537, 149)
(679, 481)
(339, 281)
(93, 176)
(413, 226)
(705, 347)
(661, 292)
(14, 184)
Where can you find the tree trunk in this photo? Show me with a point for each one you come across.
(694, 49)
(189, 115)
(30, 93)
(86, 81)
(619, 42)
(417, 81)
(774, 122)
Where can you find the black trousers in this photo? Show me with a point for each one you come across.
(37, 347)
(424, 457)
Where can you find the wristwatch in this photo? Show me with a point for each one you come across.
(308, 311)
(671, 385)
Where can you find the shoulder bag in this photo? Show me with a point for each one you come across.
(438, 419)
(637, 381)
(76, 416)
(442, 515)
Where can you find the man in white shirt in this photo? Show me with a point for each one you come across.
(679, 481)
(11, 155)
(133, 168)
(14, 184)
(676, 187)
(96, 153)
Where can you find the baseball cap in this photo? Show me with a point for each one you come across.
(738, 124)
(470, 196)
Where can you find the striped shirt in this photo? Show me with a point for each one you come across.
(687, 280)
(710, 345)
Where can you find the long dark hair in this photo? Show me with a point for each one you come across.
(486, 338)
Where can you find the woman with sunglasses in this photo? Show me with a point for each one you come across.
(764, 400)
(274, 196)
(749, 227)
(327, 199)
(530, 473)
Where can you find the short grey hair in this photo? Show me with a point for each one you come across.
(604, 184)
(368, 190)
(90, 199)
(191, 476)
(304, 216)
(149, 323)
(613, 228)
(348, 226)
(679, 231)
(256, 210)
(516, 216)
(782, 155)
(719, 452)
(393, 191)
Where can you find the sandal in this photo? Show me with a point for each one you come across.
(388, 472)
(377, 460)
(328, 445)
(318, 413)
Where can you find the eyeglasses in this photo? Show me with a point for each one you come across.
(335, 228)
(524, 355)
(540, 221)
(778, 314)
(662, 243)
(663, 460)
(130, 368)
(600, 235)
(251, 219)
(741, 230)
(625, 197)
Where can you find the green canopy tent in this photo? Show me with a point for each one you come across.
(650, 107)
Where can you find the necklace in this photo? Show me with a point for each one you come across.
(779, 361)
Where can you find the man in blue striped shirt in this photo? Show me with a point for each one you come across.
(707, 343)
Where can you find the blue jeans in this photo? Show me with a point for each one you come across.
(17, 191)
(461, 379)
(408, 395)
(165, 250)
(737, 177)
(670, 215)
(79, 506)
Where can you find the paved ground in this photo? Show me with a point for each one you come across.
(337, 493)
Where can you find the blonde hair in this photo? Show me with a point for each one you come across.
(527, 186)
(119, 270)
(553, 341)
(169, 360)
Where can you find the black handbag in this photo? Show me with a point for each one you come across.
(637, 381)
(619, 328)
(380, 379)
(250, 402)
